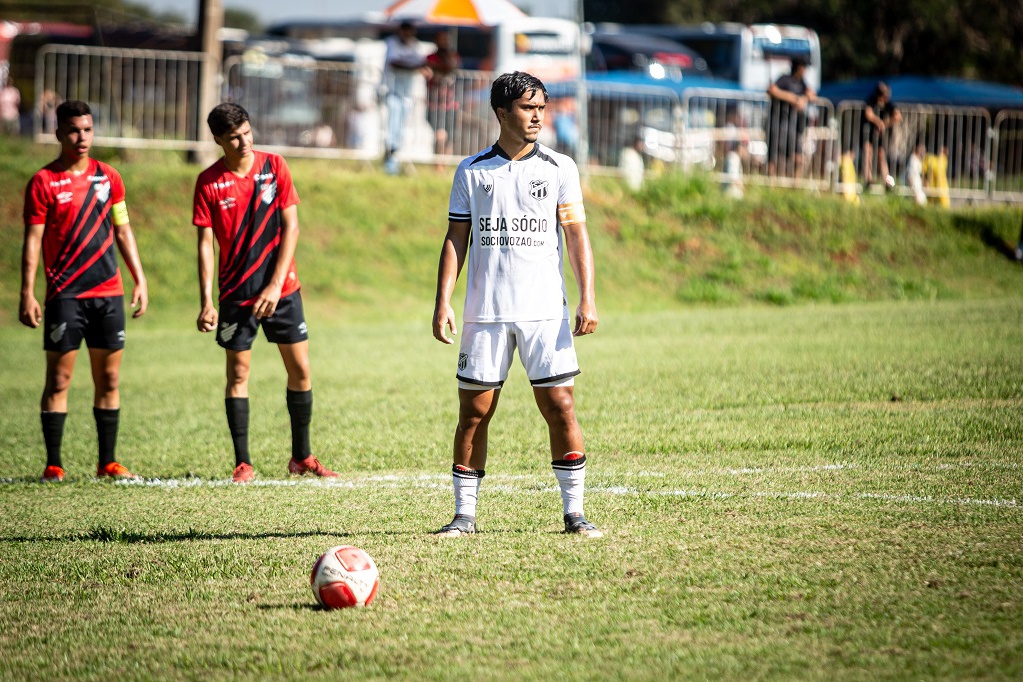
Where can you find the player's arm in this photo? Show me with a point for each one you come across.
(452, 258)
(207, 320)
(29, 311)
(130, 253)
(580, 257)
(266, 302)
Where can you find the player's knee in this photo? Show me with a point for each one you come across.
(107, 380)
(237, 374)
(58, 382)
(558, 407)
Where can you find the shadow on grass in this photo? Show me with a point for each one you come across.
(102, 534)
(292, 607)
(987, 234)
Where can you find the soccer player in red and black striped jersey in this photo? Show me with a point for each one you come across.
(74, 215)
(247, 202)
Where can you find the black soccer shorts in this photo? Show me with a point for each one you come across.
(237, 327)
(100, 321)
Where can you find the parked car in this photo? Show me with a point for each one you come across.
(659, 58)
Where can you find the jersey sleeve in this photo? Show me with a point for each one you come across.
(286, 192)
(570, 195)
(201, 206)
(459, 209)
(37, 201)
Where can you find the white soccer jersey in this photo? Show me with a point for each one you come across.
(516, 210)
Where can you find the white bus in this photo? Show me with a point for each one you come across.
(754, 56)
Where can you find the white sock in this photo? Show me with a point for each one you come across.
(467, 488)
(571, 475)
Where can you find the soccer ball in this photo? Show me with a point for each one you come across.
(344, 576)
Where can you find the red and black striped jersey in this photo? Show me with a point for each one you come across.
(76, 212)
(245, 215)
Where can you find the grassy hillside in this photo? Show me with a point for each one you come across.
(370, 242)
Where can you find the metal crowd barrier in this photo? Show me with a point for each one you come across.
(1005, 169)
(306, 107)
(139, 98)
(951, 143)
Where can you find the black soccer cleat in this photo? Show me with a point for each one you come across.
(459, 526)
(578, 525)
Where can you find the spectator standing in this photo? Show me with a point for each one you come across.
(786, 122)
(10, 109)
(441, 104)
(915, 174)
(935, 174)
(403, 66)
(879, 118)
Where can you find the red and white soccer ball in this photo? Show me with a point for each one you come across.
(344, 576)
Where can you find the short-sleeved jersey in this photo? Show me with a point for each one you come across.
(245, 215)
(77, 215)
(516, 210)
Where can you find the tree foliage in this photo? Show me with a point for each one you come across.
(970, 38)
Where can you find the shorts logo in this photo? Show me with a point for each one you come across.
(269, 192)
(120, 335)
(57, 333)
(227, 331)
(538, 189)
(302, 329)
(463, 361)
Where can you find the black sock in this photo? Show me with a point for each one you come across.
(106, 430)
(238, 423)
(53, 434)
(300, 407)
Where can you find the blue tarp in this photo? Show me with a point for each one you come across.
(927, 90)
(619, 81)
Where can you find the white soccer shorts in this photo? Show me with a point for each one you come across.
(545, 349)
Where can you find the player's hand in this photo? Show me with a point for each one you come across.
(29, 312)
(266, 304)
(585, 320)
(443, 320)
(140, 299)
(207, 320)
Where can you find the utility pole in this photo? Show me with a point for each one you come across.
(210, 20)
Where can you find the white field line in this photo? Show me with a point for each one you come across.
(532, 484)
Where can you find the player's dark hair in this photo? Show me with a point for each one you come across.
(510, 86)
(226, 117)
(798, 63)
(72, 108)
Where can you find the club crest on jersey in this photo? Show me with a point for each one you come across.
(538, 189)
(269, 192)
(463, 361)
(102, 191)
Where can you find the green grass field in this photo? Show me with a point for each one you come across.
(790, 488)
(797, 492)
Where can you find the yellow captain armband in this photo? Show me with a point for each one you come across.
(571, 214)
(120, 213)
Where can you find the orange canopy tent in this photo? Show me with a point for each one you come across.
(458, 12)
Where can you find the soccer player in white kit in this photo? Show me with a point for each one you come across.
(510, 205)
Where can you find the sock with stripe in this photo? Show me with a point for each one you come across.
(467, 488)
(571, 475)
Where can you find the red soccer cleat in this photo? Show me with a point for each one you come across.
(309, 465)
(52, 474)
(243, 473)
(114, 470)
